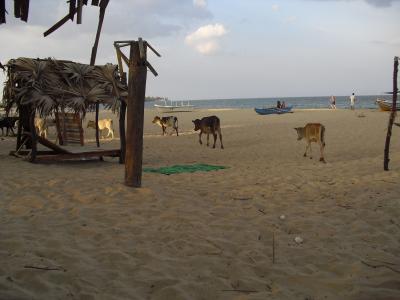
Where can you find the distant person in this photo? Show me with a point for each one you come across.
(283, 105)
(278, 104)
(333, 102)
(352, 101)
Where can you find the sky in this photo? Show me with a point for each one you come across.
(213, 49)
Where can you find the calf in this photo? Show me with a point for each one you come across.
(41, 127)
(103, 124)
(209, 125)
(8, 123)
(312, 132)
(165, 122)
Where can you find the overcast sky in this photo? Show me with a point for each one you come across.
(229, 48)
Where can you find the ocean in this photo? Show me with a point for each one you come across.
(367, 102)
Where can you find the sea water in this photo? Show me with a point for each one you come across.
(366, 102)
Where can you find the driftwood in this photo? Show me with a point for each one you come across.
(392, 115)
(46, 268)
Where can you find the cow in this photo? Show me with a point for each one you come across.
(209, 125)
(312, 132)
(103, 124)
(8, 123)
(41, 127)
(165, 122)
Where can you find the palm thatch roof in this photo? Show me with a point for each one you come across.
(48, 85)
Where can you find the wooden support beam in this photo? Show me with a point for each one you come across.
(122, 116)
(59, 24)
(135, 116)
(93, 61)
(122, 134)
(2, 11)
(152, 49)
(79, 12)
(72, 9)
(24, 10)
(33, 136)
(392, 115)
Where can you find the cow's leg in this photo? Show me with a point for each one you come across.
(305, 153)
(164, 130)
(201, 143)
(215, 138)
(208, 139)
(220, 138)
(308, 146)
(321, 147)
(176, 129)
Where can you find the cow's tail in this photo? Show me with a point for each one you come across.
(323, 135)
(176, 121)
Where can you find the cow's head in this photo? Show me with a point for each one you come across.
(300, 132)
(156, 119)
(196, 123)
(91, 124)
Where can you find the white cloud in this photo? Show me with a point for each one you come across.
(206, 32)
(207, 48)
(275, 7)
(200, 3)
(206, 38)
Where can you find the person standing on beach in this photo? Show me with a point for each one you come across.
(333, 102)
(352, 101)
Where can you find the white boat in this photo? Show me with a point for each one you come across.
(174, 106)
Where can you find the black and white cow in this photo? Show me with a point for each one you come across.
(165, 122)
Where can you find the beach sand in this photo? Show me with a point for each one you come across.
(213, 235)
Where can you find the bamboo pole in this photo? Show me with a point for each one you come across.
(93, 60)
(392, 115)
(135, 116)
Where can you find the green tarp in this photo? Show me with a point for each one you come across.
(183, 169)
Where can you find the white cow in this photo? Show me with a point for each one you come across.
(103, 124)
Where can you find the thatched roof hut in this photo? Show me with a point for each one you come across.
(48, 85)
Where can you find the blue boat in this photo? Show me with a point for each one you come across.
(273, 110)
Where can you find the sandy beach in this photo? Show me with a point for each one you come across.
(73, 230)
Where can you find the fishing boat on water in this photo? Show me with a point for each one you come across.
(386, 105)
(166, 106)
(273, 110)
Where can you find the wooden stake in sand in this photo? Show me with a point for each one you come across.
(392, 115)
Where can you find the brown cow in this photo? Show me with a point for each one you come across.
(312, 132)
(209, 125)
(165, 122)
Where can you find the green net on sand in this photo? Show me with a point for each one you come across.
(183, 169)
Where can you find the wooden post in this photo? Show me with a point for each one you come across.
(135, 115)
(33, 136)
(93, 59)
(19, 131)
(392, 115)
(122, 135)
